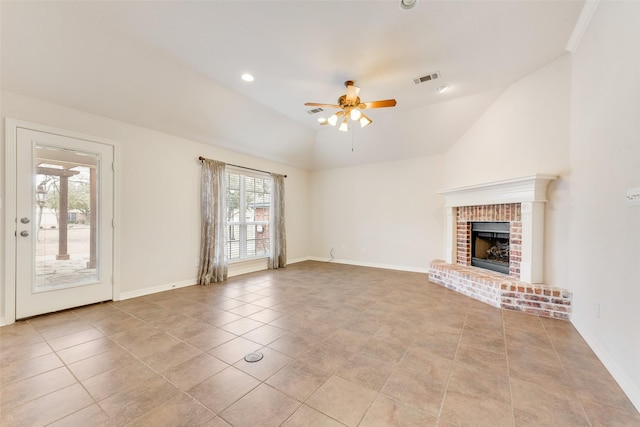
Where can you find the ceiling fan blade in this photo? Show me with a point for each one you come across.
(379, 104)
(315, 104)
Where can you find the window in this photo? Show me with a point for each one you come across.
(248, 208)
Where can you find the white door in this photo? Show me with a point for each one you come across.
(64, 237)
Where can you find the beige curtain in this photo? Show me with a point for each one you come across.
(213, 262)
(278, 237)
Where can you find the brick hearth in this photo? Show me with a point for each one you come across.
(502, 291)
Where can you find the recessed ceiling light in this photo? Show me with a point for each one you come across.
(408, 4)
(247, 77)
(444, 88)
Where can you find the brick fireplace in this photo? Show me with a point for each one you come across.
(520, 203)
(508, 212)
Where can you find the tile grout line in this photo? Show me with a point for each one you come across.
(444, 395)
(506, 352)
(395, 369)
(70, 372)
(564, 368)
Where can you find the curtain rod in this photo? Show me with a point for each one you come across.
(241, 167)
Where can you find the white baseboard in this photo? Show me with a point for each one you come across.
(156, 289)
(372, 264)
(234, 270)
(626, 384)
(249, 266)
(2, 321)
(296, 260)
(253, 266)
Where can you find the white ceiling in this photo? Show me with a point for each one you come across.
(175, 67)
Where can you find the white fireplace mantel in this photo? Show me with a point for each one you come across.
(525, 189)
(530, 191)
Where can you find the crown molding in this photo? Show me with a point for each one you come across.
(582, 23)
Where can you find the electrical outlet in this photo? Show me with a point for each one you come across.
(197, 262)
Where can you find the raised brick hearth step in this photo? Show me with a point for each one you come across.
(502, 291)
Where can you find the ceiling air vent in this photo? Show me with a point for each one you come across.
(314, 111)
(427, 78)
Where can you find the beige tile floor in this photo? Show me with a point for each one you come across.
(342, 345)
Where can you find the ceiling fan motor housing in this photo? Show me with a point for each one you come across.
(344, 102)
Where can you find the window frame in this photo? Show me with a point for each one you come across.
(242, 222)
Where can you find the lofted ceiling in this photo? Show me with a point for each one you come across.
(175, 66)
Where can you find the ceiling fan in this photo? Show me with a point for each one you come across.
(351, 107)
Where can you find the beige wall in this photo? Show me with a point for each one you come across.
(383, 215)
(605, 161)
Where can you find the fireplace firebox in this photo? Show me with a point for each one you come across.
(490, 246)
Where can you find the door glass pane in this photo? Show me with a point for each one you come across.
(66, 198)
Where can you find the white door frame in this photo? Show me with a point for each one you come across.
(11, 140)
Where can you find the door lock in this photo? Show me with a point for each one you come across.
(24, 233)
(25, 220)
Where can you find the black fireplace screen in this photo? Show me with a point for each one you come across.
(490, 246)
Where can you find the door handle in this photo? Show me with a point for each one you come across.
(25, 220)
(24, 233)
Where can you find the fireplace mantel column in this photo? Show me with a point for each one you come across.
(531, 266)
(450, 236)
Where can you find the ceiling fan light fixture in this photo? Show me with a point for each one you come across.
(344, 127)
(333, 120)
(355, 114)
(442, 89)
(364, 121)
(408, 4)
